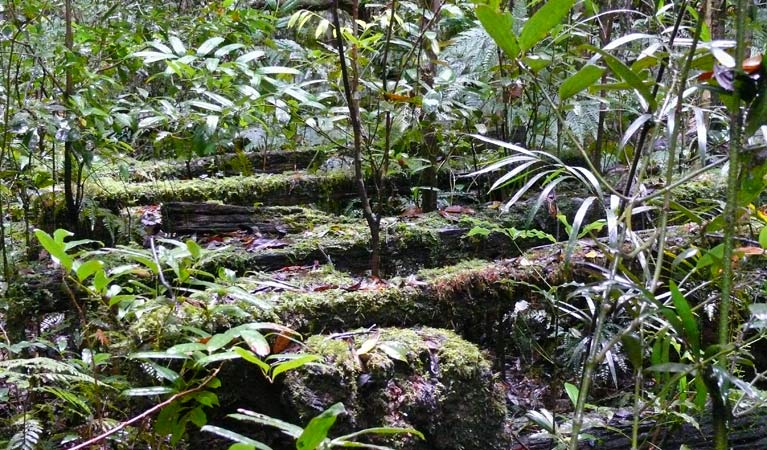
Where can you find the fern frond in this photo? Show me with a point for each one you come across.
(28, 436)
(47, 369)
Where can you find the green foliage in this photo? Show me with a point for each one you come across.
(312, 437)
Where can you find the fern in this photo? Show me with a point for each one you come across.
(472, 52)
(28, 436)
(49, 370)
(583, 120)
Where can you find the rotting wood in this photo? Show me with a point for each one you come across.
(192, 217)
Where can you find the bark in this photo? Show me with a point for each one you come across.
(189, 217)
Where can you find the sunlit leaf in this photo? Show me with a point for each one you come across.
(690, 323)
(147, 391)
(551, 14)
(207, 46)
(236, 437)
(178, 46)
(499, 25)
(583, 79)
(317, 429)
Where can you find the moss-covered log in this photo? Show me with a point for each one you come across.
(230, 164)
(268, 189)
(425, 378)
(472, 298)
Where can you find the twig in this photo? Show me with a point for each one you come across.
(146, 413)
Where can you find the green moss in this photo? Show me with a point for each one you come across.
(425, 378)
(267, 189)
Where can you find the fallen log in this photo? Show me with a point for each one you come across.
(192, 217)
(229, 164)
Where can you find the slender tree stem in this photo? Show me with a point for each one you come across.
(649, 124)
(720, 407)
(354, 115)
(672, 150)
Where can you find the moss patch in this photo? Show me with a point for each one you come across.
(429, 379)
(268, 189)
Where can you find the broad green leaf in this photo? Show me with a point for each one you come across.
(633, 347)
(148, 122)
(187, 347)
(218, 357)
(205, 105)
(757, 112)
(88, 268)
(500, 27)
(194, 248)
(55, 249)
(317, 429)
(156, 355)
(625, 73)
(161, 47)
(587, 76)
(543, 419)
(218, 341)
(250, 56)
(59, 235)
(394, 350)
(673, 318)
(226, 49)
(220, 99)
(72, 244)
(178, 46)
(163, 372)
(207, 46)
(375, 430)
(572, 393)
(236, 437)
(150, 56)
(256, 341)
(291, 430)
(537, 63)
(276, 70)
(543, 21)
(252, 358)
(692, 333)
(293, 364)
(763, 237)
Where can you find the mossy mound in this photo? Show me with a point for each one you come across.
(472, 297)
(429, 379)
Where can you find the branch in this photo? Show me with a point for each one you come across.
(146, 413)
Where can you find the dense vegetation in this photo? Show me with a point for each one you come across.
(401, 225)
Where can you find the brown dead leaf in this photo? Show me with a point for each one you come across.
(749, 251)
(458, 209)
(412, 212)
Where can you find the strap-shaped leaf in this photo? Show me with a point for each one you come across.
(576, 228)
(625, 73)
(690, 324)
